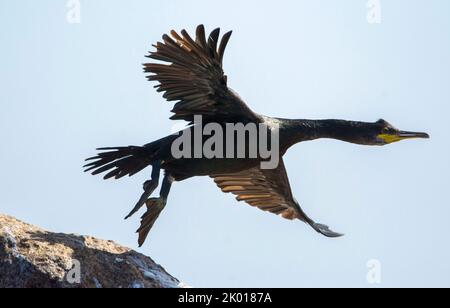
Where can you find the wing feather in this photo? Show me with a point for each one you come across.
(193, 78)
(268, 190)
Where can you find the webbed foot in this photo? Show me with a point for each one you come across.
(154, 207)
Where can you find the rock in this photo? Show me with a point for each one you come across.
(31, 257)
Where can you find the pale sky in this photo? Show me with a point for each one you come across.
(69, 88)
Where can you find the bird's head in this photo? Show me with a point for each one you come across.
(384, 133)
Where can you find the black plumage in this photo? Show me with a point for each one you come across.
(191, 75)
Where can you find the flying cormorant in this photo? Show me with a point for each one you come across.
(195, 81)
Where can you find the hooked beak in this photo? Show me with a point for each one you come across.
(412, 135)
(401, 135)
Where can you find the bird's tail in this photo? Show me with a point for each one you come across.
(120, 161)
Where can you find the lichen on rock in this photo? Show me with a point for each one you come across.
(31, 257)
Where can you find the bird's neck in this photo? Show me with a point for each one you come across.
(295, 131)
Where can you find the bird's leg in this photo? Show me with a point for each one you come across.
(320, 228)
(149, 188)
(154, 207)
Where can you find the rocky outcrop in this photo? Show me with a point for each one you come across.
(31, 257)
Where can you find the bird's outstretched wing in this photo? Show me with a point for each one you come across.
(194, 78)
(268, 190)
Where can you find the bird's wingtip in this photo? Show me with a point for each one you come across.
(326, 231)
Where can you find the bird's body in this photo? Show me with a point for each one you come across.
(291, 132)
(194, 79)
